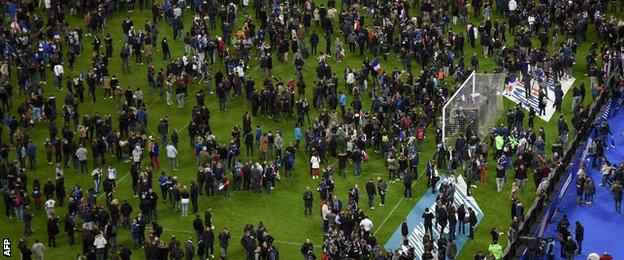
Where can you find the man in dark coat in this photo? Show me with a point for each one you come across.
(616, 188)
(307, 250)
(208, 237)
(307, 201)
(198, 225)
(126, 210)
(25, 251)
(53, 230)
(194, 195)
(208, 217)
(570, 248)
(124, 253)
(404, 228)
(371, 192)
(314, 40)
(224, 242)
(60, 190)
(70, 227)
(249, 243)
(428, 217)
(382, 187)
(189, 249)
(579, 231)
(472, 220)
(201, 248)
(408, 178)
(461, 219)
(48, 189)
(141, 222)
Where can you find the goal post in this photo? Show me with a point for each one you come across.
(475, 106)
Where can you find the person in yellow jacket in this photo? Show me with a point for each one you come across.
(499, 143)
(496, 250)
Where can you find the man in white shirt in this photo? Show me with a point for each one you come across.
(240, 70)
(367, 225)
(512, 5)
(38, 250)
(58, 73)
(172, 154)
(49, 207)
(97, 177)
(47, 4)
(177, 12)
(324, 212)
(138, 95)
(58, 171)
(606, 174)
(136, 154)
(315, 162)
(100, 245)
(350, 80)
(112, 174)
(81, 155)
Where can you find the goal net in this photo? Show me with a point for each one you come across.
(474, 108)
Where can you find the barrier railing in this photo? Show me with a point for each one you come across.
(537, 208)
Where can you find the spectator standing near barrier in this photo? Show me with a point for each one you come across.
(579, 232)
(472, 220)
(428, 217)
(616, 188)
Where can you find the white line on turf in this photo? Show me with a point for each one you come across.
(116, 183)
(395, 207)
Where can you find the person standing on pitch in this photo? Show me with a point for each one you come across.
(428, 217)
(382, 187)
(371, 192)
(307, 201)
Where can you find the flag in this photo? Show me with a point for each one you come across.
(377, 66)
(224, 184)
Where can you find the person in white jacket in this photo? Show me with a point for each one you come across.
(100, 246)
(366, 224)
(112, 174)
(49, 207)
(58, 75)
(38, 248)
(137, 154)
(324, 212)
(172, 154)
(315, 164)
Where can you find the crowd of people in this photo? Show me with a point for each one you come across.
(403, 112)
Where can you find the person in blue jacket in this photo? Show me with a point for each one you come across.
(31, 152)
(298, 136)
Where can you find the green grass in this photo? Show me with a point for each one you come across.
(282, 210)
